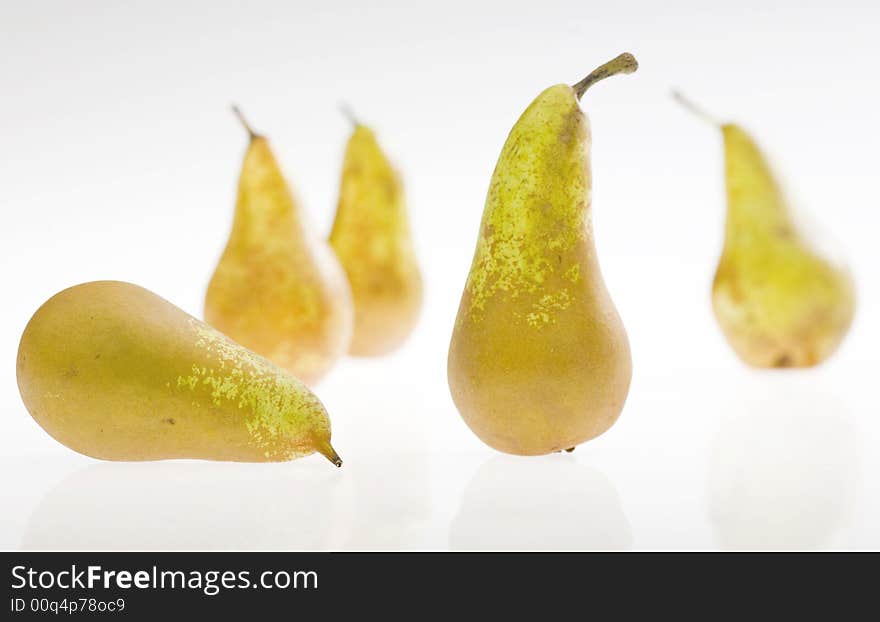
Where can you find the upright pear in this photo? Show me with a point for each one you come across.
(115, 372)
(371, 236)
(278, 289)
(539, 359)
(779, 301)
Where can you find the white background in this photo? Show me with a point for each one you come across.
(119, 159)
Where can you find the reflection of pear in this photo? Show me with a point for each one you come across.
(391, 482)
(783, 477)
(115, 372)
(549, 504)
(372, 239)
(278, 289)
(779, 302)
(192, 505)
(539, 359)
(392, 503)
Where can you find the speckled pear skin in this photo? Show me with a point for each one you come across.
(279, 289)
(115, 372)
(539, 359)
(778, 301)
(371, 236)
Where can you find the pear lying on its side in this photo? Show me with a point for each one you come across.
(115, 372)
(279, 289)
(371, 237)
(539, 359)
(778, 300)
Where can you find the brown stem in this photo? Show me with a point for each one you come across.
(348, 114)
(247, 126)
(326, 449)
(694, 109)
(625, 63)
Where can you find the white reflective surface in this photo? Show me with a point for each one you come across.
(781, 464)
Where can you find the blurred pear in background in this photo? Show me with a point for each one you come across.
(779, 301)
(279, 289)
(371, 236)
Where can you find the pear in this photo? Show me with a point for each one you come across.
(115, 372)
(779, 301)
(278, 289)
(539, 359)
(371, 237)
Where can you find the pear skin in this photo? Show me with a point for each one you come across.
(371, 236)
(278, 289)
(115, 372)
(539, 359)
(778, 300)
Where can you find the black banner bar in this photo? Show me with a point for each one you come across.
(146, 585)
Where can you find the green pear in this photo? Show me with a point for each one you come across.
(278, 288)
(779, 301)
(539, 359)
(115, 372)
(371, 237)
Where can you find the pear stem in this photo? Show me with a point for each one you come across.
(694, 109)
(346, 111)
(625, 63)
(326, 449)
(247, 126)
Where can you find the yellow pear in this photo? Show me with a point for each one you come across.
(778, 300)
(278, 289)
(115, 372)
(539, 359)
(371, 237)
